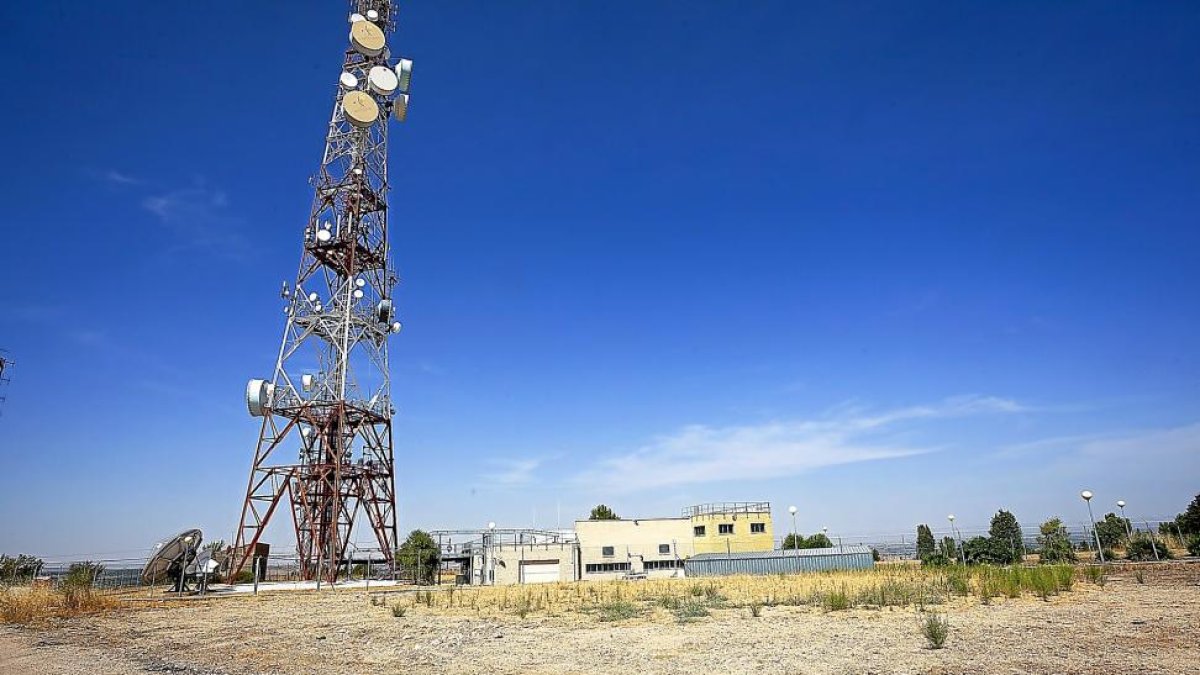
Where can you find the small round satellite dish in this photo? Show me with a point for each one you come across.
(400, 108)
(360, 282)
(356, 17)
(366, 38)
(167, 554)
(324, 235)
(318, 307)
(305, 431)
(258, 397)
(396, 327)
(348, 80)
(312, 297)
(372, 15)
(382, 80)
(358, 293)
(361, 110)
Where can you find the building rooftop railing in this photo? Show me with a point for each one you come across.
(721, 508)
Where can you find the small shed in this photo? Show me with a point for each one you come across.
(780, 562)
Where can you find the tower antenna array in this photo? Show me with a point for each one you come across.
(325, 446)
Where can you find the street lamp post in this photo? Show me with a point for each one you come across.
(1087, 497)
(962, 555)
(795, 544)
(1121, 505)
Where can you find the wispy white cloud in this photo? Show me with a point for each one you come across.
(199, 218)
(703, 454)
(1139, 443)
(512, 472)
(114, 176)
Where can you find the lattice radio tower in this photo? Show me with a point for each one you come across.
(326, 441)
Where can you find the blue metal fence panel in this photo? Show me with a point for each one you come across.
(779, 562)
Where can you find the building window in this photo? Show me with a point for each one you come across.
(725, 528)
(663, 564)
(758, 528)
(664, 549)
(598, 568)
(698, 531)
(606, 551)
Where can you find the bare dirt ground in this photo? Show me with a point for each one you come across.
(1124, 627)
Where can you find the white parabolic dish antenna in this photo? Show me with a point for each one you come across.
(382, 80)
(258, 397)
(361, 109)
(167, 553)
(366, 38)
(348, 80)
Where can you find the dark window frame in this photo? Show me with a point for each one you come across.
(758, 528)
(698, 531)
(725, 528)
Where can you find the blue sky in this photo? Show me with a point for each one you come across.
(880, 261)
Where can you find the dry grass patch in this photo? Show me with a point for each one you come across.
(29, 606)
(884, 586)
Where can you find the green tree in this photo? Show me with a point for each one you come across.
(818, 540)
(1004, 546)
(981, 550)
(1113, 530)
(602, 512)
(1053, 543)
(949, 548)
(1188, 522)
(925, 542)
(418, 557)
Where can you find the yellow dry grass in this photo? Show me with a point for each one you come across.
(880, 587)
(26, 605)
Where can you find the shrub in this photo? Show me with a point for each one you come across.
(1112, 531)
(19, 569)
(691, 609)
(1145, 546)
(1193, 545)
(1140, 576)
(1054, 544)
(399, 610)
(935, 628)
(875, 555)
(837, 600)
(1097, 574)
(618, 610)
(756, 609)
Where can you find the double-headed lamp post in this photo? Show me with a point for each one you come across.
(795, 544)
(1087, 497)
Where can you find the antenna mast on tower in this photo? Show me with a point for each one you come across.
(326, 438)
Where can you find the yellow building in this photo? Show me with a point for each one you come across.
(731, 527)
